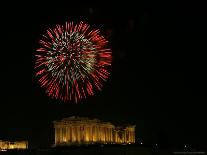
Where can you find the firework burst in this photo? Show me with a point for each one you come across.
(72, 61)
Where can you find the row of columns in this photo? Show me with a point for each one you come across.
(64, 134)
(125, 136)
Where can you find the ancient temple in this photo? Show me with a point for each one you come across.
(5, 145)
(81, 130)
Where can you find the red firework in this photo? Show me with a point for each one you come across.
(72, 61)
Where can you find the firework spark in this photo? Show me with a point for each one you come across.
(72, 61)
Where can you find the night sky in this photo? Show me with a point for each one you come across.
(158, 73)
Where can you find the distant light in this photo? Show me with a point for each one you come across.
(141, 143)
(129, 143)
(185, 146)
(3, 150)
(155, 144)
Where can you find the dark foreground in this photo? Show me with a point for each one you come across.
(107, 150)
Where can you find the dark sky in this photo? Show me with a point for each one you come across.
(158, 76)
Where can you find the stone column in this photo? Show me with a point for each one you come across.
(109, 135)
(111, 132)
(66, 128)
(90, 135)
(77, 133)
(97, 134)
(125, 134)
(130, 136)
(56, 135)
(102, 134)
(116, 138)
(133, 136)
(66, 135)
(69, 138)
(63, 133)
(123, 139)
(72, 133)
(106, 138)
(69, 133)
(75, 130)
(94, 134)
(60, 135)
(66, 139)
(86, 132)
(106, 134)
(82, 133)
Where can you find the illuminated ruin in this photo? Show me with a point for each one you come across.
(5, 145)
(81, 130)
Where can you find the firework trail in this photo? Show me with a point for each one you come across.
(72, 61)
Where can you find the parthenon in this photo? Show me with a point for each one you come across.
(83, 130)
